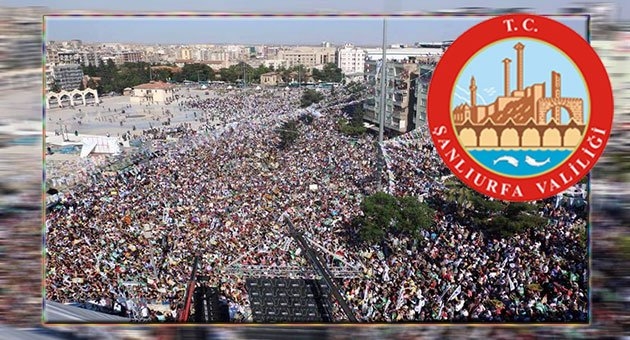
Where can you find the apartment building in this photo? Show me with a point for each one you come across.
(421, 88)
(129, 57)
(351, 59)
(67, 76)
(308, 56)
(399, 115)
(404, 53)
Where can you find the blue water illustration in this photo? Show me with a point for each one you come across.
(520, 162)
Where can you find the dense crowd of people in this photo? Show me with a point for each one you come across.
(222, 196)
(453, 272)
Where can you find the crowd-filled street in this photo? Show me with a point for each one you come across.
(221, 195)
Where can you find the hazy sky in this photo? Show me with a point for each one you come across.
(361, 31)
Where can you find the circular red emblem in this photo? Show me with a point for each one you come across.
(520, 107)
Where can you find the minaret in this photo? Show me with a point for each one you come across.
(555, 94)
(519, 65)
(506, 77)
(473, 92)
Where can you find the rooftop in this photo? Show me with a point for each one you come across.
(154, 85)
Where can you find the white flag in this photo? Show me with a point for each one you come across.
(455, 293)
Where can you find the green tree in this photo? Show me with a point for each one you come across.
(229, 74)
(495, 217)
(414, 216)
(257, 72)
(516, 217)
(459, 194)
(288, 133)
(55, 87)
(91, 84)
(380, 211)
(357, 116)
(384, 213)
(329, 73)
(194, 72)
(309, 97)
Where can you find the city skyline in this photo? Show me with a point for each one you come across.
(365, 31)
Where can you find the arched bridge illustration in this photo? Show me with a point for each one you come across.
(513, 135)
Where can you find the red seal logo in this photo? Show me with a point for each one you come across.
(520, 107)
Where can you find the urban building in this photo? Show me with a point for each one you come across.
(129, 57)
(185, 54)
(421, 89)
(90, 58)
(275, 63)
(308, 56)
(270, 79)
(399, 116)
(152, 92)
(351, 60)
(66, 77)
(65, 57)
(404, 53)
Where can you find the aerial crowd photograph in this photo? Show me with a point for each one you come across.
(218, 170)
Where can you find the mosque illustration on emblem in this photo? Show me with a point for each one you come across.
(524, 132)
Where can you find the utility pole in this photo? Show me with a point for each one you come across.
(381, 121)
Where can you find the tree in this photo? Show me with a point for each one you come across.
(384, 213)
(459, 194)
(495, 217)
(329, 73)
(91, 84)
(310, 97)
(414, 216)
(288, 132)
(257, 72)
(516, 217)
(380, 210)
(194, 72)
(55, 87)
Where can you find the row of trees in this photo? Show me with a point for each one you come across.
(115, 78)
(385, 214)
(497, 218)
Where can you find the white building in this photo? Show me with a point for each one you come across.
(400, 54)
(275, 63)
(351, 59)
(152, 92)
(67, 76)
